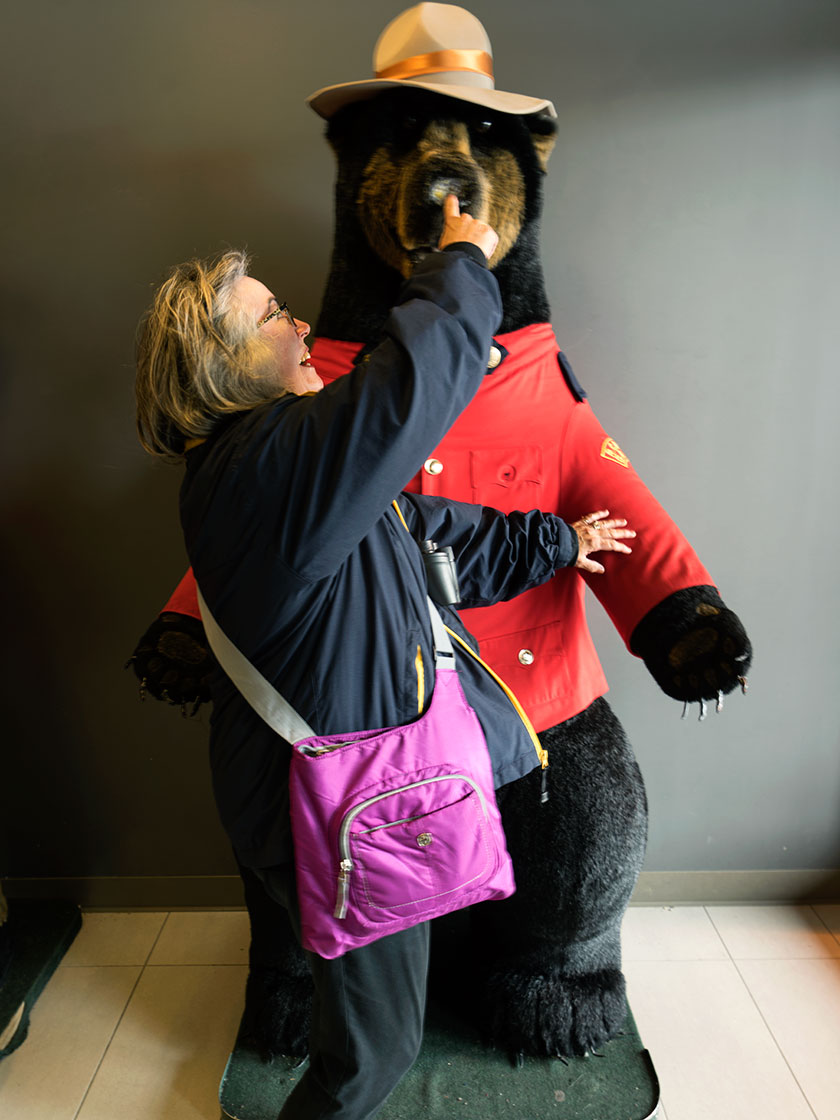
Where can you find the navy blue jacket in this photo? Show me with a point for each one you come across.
(290, 530)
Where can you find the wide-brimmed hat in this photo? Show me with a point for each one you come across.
(438, 47)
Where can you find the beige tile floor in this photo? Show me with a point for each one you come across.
(738, 1005)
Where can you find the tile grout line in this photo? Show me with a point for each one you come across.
(769, 1029)
(773, 1036)
(825, 924)
(199, 964)
(809, 957)
(718, 934)
(107, 1046)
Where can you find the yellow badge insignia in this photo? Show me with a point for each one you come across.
(610, 450)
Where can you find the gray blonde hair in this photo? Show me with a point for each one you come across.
(200, 355)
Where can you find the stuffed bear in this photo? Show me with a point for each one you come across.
(546, 963)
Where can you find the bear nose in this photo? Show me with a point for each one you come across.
(441, 186)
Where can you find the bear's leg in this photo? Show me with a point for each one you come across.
(278, 994)
(551, 980)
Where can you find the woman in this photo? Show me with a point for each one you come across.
(287, 513)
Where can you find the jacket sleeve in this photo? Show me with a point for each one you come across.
(330, 463)
(498, 556)
(596, 474)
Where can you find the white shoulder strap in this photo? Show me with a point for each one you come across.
(260, 693)
(264, 698)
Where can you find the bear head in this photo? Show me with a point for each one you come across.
(399, 154)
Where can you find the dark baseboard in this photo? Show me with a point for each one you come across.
(136, 892)
(211, 892)
(721, 887)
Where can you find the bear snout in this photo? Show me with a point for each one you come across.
(450, 173)
(425, 189)
(442, 187)
(404, 180)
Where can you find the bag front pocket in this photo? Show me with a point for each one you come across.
(405, 850)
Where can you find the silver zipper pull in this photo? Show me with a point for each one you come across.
(346, 866)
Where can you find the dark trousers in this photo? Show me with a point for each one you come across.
(367, 1017)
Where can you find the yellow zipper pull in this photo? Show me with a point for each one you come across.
(543, 753)
(421, 680)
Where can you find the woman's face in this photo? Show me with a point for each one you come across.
(293, 369)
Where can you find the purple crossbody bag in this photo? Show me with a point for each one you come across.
(393, 826)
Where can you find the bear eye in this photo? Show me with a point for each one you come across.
(409, 123)
(483, 126)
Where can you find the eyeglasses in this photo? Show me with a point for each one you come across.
(283, 309)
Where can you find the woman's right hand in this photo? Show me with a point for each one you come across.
(463, 227)
(596, 534)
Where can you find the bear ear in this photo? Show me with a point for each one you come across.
(543, 135)
(342, 124)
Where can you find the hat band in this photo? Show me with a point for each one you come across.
(438, 62)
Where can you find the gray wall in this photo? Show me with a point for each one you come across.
(690, 241)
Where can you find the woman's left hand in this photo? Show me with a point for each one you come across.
(597, 534)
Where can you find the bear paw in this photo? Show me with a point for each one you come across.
(694, 646)
(173, 662)
(551, 1015)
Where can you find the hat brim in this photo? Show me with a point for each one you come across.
(327, 101)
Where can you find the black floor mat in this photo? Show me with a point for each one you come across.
(37, 934)
(457, 1076)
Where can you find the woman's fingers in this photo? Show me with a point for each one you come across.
(451, 206)
(463, 227)
(611, 544)
(600, 519)
(598, 532)
(587, 565)
(590, 518)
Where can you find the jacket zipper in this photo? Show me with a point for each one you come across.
(542, 753)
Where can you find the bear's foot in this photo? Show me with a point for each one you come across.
(552, 1015)
(277, 1013)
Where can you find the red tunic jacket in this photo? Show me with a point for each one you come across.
(529, 440)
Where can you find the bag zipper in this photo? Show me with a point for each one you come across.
(315, 752)
(346, 863)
